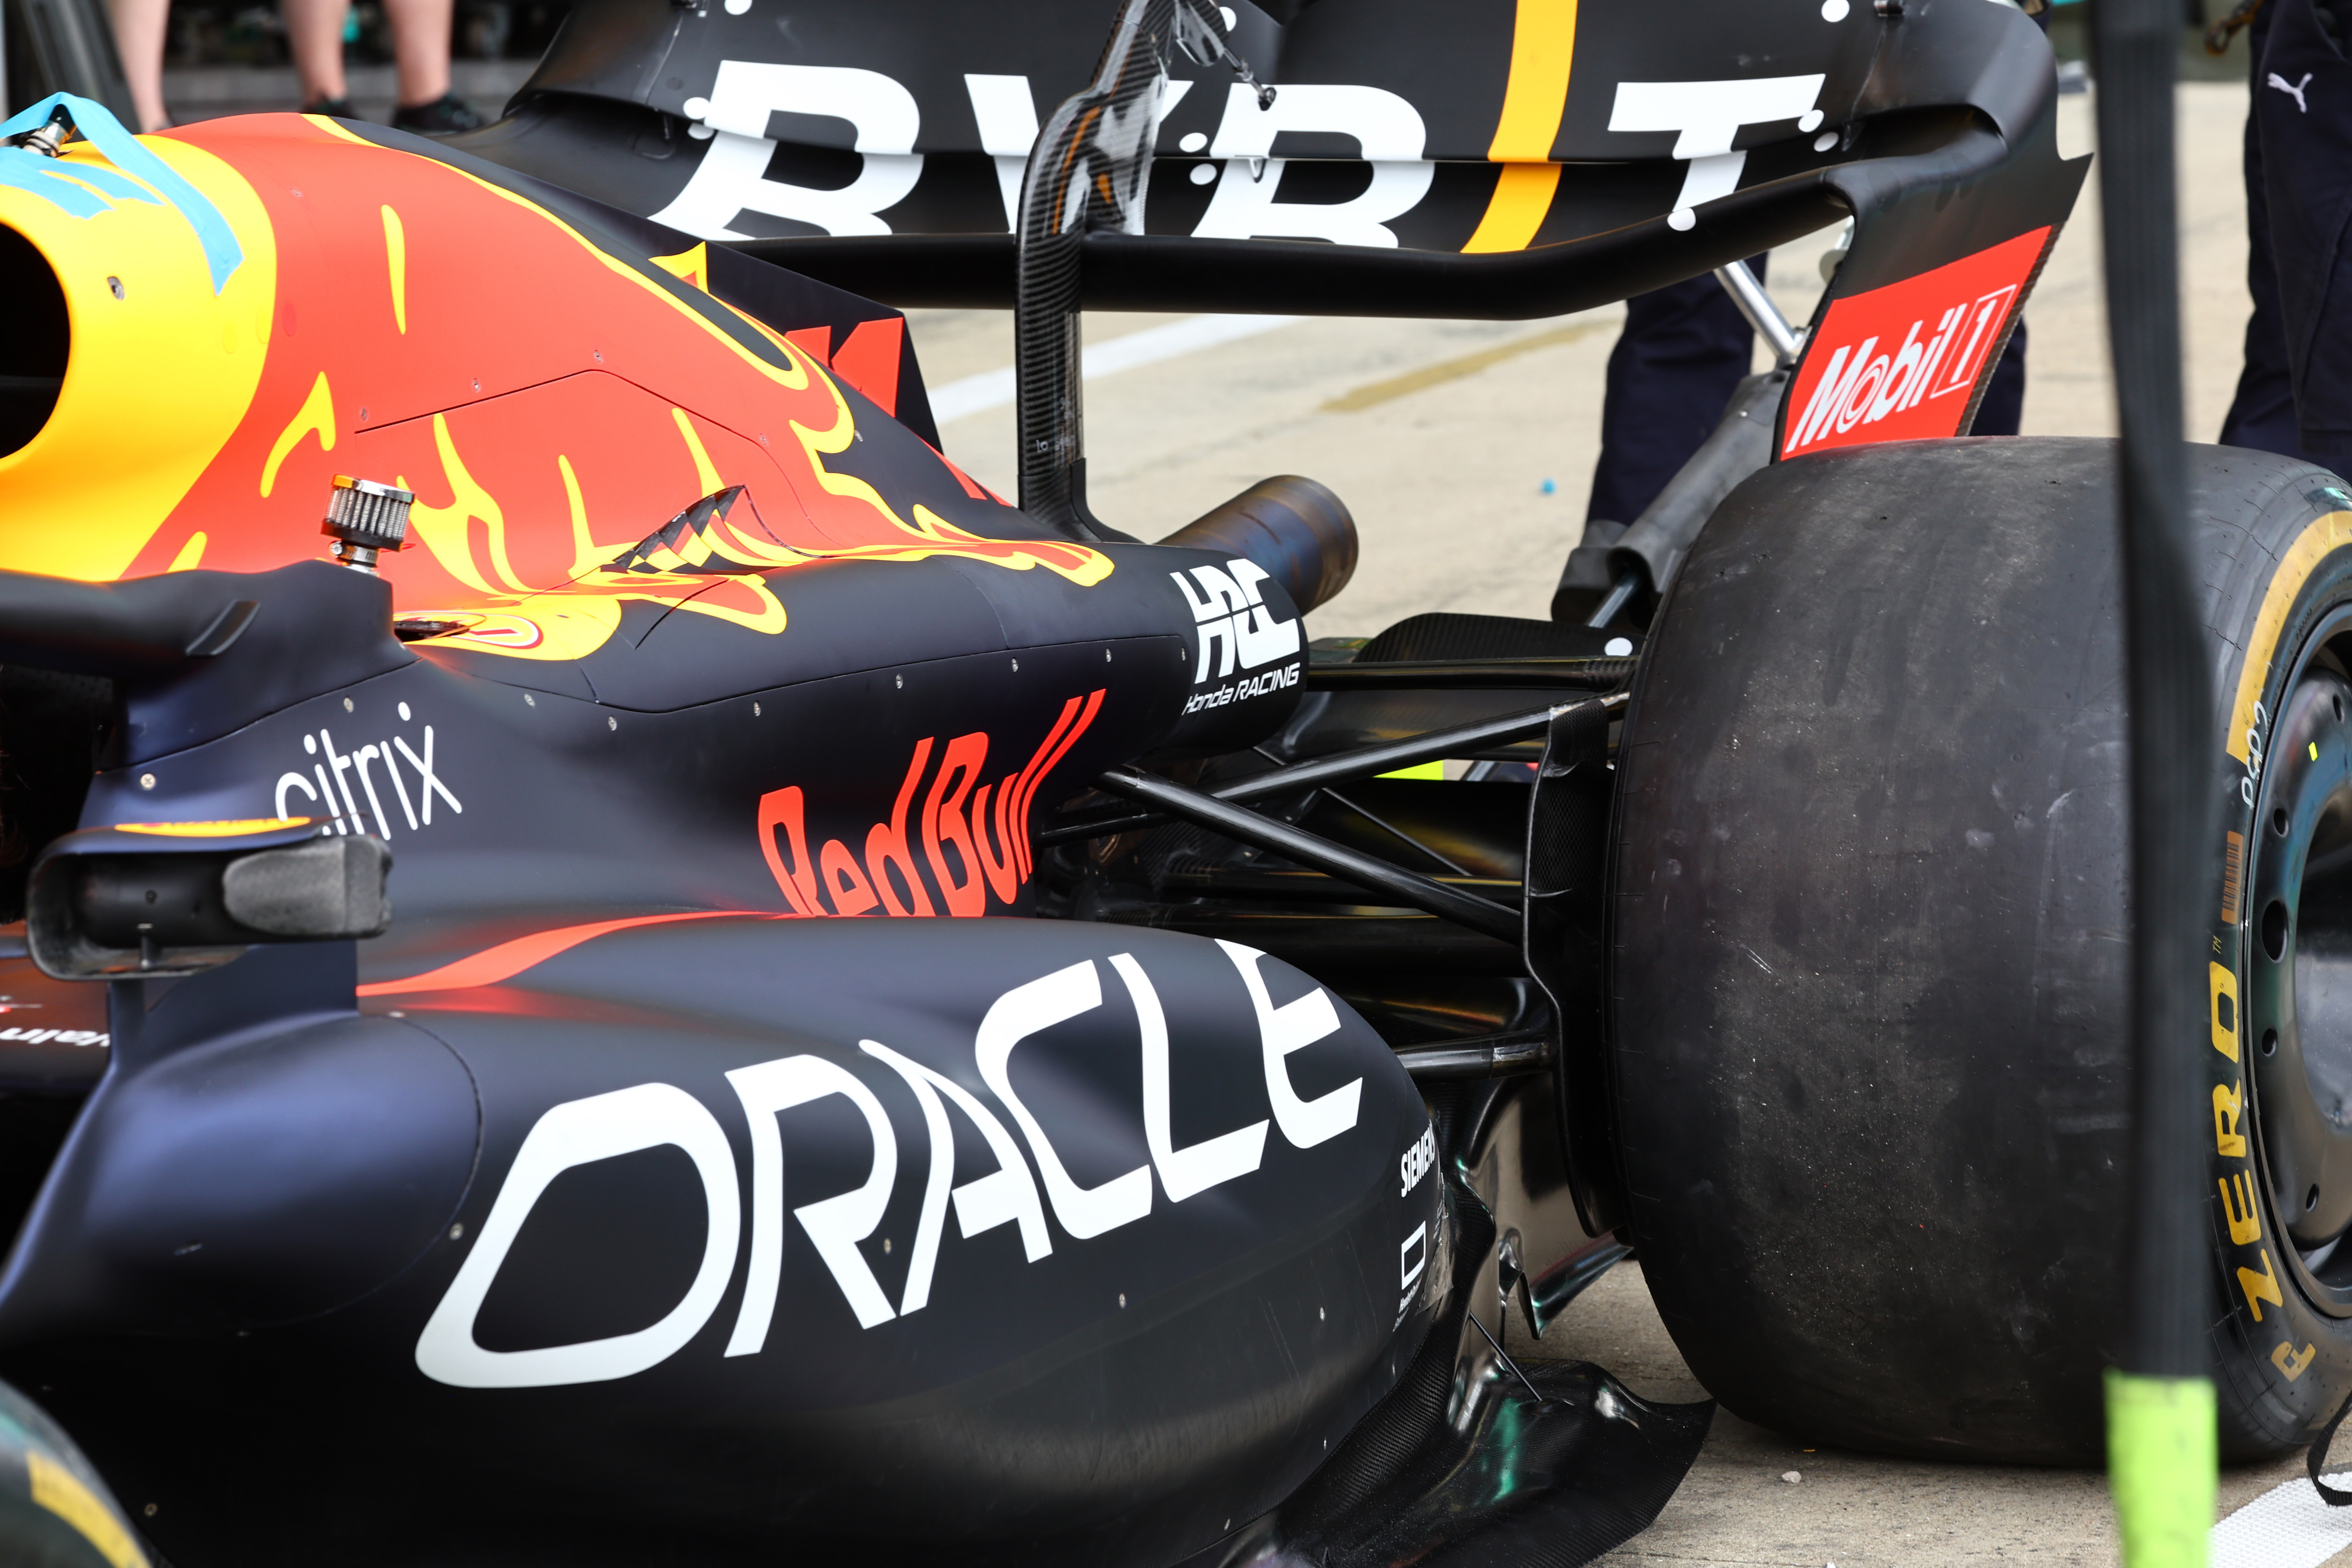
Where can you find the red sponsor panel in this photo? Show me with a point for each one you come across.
(1903, 361)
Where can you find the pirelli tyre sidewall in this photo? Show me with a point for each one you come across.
(2282, 617)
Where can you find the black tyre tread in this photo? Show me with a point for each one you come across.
(1869, 955)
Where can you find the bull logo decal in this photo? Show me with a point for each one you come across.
(974, 841)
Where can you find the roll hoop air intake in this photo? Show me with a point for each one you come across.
(1295, 531)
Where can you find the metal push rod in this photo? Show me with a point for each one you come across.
(1407, 888)
(1487, 1056)
(1310, 886)
(1431, 746)
(1747, 291)
(1621, 594)
(1787, 343)
(1470, 674)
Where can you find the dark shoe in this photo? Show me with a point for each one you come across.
(335, 108)
(444, 116)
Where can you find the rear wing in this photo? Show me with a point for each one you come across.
(1447, 145)
(1498, 159)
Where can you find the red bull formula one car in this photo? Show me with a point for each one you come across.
(677, 982)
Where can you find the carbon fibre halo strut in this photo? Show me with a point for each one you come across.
(1089, 169)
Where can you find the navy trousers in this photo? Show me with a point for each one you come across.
(1683, 350)
(2294, 393)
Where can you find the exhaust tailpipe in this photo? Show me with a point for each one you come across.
(1294, 530)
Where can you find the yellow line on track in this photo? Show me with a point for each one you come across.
(1443, 371)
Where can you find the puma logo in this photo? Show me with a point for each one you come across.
(2293, 89)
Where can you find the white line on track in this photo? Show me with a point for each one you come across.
(995, 388)
(2287, 1526)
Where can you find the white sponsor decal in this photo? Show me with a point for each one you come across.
(1030, 1009)
(732, 177)
(353, 779)
(1859, 387)
(1194, 1169)
(1417, 1160)
(580, 1132)
(1004, 1196)
(1242, 690)
(1709, 115)
(1412, 1258)
(1282, 1030)
(835, 1225)
(1238, 631)
(62, 1037)
(654, 1115)
(1387, 132)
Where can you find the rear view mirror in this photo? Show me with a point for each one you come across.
(164, 900)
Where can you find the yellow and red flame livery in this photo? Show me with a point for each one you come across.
(550, 396)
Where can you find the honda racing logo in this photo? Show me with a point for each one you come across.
(1238, 630)
(1902, 362)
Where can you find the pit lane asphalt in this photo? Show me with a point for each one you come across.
(1441, 436)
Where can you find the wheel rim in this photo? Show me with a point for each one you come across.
(2298, 938)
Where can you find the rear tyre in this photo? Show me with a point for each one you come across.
(1870, 960)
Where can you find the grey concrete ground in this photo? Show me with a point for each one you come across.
(1442, 436)
(1855, 1511)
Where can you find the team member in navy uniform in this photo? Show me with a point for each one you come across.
(1683, 350)
(2295, 395)
(2261, 415)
